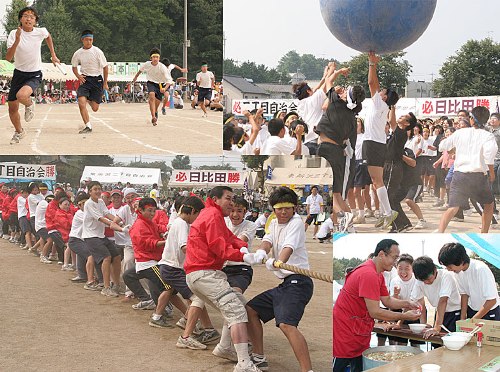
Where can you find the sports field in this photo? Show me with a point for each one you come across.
(118, 128)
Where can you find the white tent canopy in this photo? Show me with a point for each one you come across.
(136, 176)
(300, 176)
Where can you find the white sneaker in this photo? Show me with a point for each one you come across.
(246, 368)
(224, 353)
(17, 137)
(468, 212)
(189, 343)
(45, 260)
(421, 224)
(29, 112)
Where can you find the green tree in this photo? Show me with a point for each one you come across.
(181, 162)
(392, 71)
(258, 73)
(256, 163)
(473, 71)
(309, 65)
(11, 21)
(340, 265)
(225, 166)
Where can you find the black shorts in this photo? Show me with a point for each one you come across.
(24, 224)
(14, 222)
(313, 218)
(79, 247)
(426, 164)
(155, 88)
(43, 233)
(465, 186)
(493, 314)
(334, 154)
(176, 278)
(57, 239)
(20, 79)
(414, 192)
(286, 303)
(374, 153)
(204, 94)
(32, 224)
(92, 88)
(100, 248)
(361, 176)
(239, 276)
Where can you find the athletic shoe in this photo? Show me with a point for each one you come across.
(114, 291)
(207, 336)
(45, 260)
(190, 343)
(224, 353)
(17, 137)
(368, 213)
(250, 367)
(24, 247)
(156, 114)
(108, 292)
(388, 220)
(380, 222)
(406, 228)
(345, 221)
(164, 111)
(198, 329)
(468, 212)
(359, 220)
(457, 219)
(53, 257)
(85, 130)
(204, 115)
(78, 279)
(260, 362)
(154, 121)
(160, 323)
(421, 224)
(443, 208)
(91, 286)
(144, 305)
(438, 203)
(29, 112)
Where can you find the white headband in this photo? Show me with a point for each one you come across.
(350, 104)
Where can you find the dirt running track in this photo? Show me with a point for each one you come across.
(118, 128)
(48, 323)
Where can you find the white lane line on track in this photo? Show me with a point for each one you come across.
(204, 120)
(7, 114)
(34, 142)
(130, 138)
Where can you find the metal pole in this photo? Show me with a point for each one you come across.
(185, 49)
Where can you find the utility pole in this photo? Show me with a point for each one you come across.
(186, 45)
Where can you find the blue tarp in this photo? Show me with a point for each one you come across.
(486, 246)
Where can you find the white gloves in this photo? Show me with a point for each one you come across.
(244, 250)
(270, 265)
(126, 229)
(249, 258)
(260, 255)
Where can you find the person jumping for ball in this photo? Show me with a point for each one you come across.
(92, 62)
(24, 45)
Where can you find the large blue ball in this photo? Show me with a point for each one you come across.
(381, 26)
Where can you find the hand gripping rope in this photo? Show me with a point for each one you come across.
(298, 270)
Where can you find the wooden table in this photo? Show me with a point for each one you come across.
(405, 332)
(467, 359)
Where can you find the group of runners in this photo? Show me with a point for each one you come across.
(200, 254)
(24, 46)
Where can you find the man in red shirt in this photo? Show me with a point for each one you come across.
(210, 243)
(358, 305)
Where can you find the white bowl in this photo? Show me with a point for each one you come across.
(417, 328)
(455, 342)
(431, 368)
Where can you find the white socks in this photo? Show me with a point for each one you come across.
(383, 198)
(225, 338)
(89, 125)
(242, 351)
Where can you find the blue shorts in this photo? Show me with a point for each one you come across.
(204, 94)
(155, 88)
(285, 303)
(20, 79)
(92, 88)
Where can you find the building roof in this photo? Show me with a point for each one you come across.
(276, 88)
(243, 85)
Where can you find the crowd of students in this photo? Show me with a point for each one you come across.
(201, 253)
(462, 288)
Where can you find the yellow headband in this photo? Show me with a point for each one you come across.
(283, 205)
(155, 55)
(229, 119)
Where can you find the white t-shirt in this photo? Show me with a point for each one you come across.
(478, 283)
(41, 208)
(293, 143)
(310, 109)
(245, 228)
(358, 154)
(128, 217)
(260, 222)
(28, 55)
(92, 227)
(389, 275)
(444, 285)
(289, 235)
(275, 145)
(92, 61)
(117, 237)
(426, 151)
(406, 287)
(33, 201)
(205, 79)
(177, 238)
(22, 211)
(156, 74)
(262, 137)
(246, 149)
(170, 67)
(414, 144)
(77, 225)
(314, 202)
(475, 148)
(375, 121)
(325, 228)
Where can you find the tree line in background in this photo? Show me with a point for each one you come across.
(127, 30)
(473, 71)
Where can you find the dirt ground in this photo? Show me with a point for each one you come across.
(118, 128)
(49, 323)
